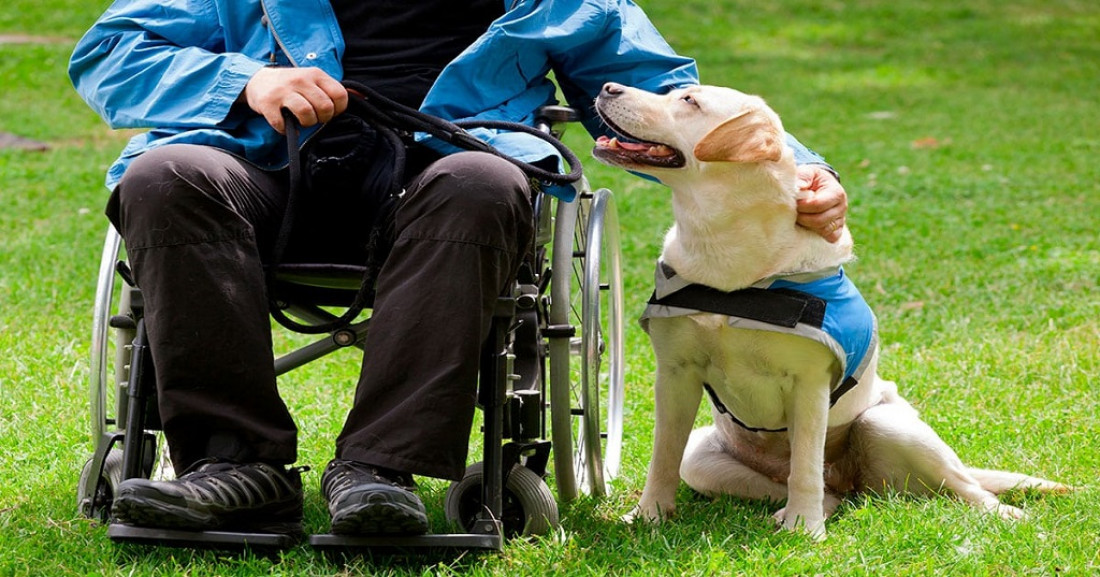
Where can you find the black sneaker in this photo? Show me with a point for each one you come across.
(254, 498)
(364, 499)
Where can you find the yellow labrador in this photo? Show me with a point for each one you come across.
(789, 360)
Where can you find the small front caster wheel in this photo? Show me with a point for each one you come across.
(528, 507)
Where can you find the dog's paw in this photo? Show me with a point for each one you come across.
(831, 504)
(650, 514)
(798, 524)
(1009, 512)
(633, 515)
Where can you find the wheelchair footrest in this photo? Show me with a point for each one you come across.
(212, 539)
(431, 541)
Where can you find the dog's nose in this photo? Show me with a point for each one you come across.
(611, 89)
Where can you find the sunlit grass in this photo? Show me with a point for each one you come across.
(967, 138)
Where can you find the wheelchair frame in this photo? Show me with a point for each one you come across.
(571, 324)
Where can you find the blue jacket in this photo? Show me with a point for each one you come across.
(178, 67)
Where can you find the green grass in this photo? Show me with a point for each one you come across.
(967, 137)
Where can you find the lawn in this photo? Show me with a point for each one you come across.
(966, 135)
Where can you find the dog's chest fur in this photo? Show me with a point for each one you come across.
(753, 372)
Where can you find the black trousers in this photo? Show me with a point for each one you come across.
(199, 223)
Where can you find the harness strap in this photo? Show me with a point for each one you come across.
(780, 306)
(721, 407)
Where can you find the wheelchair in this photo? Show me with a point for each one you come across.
(556, 343)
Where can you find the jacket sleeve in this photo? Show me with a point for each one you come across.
(160, 63)
(614, 41)
(585, 43)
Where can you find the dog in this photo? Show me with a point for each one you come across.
(789, 361)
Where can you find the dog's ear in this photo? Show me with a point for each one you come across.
(750, 136)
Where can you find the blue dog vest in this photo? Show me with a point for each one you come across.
(823, 306)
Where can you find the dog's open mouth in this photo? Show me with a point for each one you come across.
(625, 150)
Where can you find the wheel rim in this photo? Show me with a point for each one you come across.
(528, 507)
(99, 385)
(602, 344)
(511, 514)
(587, 368)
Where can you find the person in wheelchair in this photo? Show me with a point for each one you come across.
(199, 199)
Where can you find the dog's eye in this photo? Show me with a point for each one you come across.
(688, 99)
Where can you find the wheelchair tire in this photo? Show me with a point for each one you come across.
(529, 507)
(97, 504)
(586, 370)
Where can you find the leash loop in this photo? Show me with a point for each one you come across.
(393, 121)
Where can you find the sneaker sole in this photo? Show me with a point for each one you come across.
(380, 517)
(131, 509)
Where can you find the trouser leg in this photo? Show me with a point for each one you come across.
(460, 233)
(193, 219)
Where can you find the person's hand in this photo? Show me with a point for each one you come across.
(310, 94)
(824, 209)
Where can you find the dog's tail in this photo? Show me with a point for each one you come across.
(998, 482)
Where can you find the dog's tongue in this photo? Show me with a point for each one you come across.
(636, 146)
(651, 149)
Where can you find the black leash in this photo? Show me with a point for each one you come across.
(386, 113)
(395, 122)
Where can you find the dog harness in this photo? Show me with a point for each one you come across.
(824, 306)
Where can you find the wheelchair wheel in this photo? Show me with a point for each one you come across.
(528, 505)
(109, 367)
(94, 501)
(586, 369)
(108, 351)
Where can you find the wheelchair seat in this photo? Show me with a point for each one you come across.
(345, 277)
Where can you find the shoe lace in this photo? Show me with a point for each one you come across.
(343, 474)
(236, 485)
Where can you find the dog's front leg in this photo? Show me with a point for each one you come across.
(678, 393)
(808, 407)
